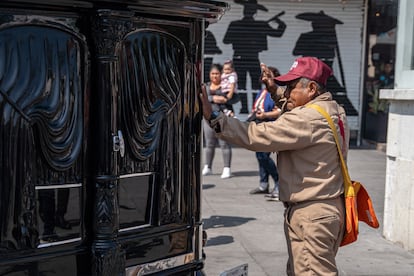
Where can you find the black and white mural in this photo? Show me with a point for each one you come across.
(248, 38)
(277, 32)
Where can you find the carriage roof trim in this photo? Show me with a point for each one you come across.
(209, 10)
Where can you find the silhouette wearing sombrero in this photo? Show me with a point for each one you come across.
(249, 37)
(322, 43)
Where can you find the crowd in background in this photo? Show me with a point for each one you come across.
(222, 94)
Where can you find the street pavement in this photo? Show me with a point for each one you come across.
(247, 229)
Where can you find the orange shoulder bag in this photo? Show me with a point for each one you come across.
(358, 203)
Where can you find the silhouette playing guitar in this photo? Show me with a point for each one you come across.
(249, 37)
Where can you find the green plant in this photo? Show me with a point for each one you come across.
(376, 104)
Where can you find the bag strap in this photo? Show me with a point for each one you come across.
(344, 168)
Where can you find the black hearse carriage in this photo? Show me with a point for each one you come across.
(100, 138)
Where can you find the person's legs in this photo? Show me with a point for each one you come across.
(211, 141)
(63, 200)
(241, 70)
(263, 172)
(62, 206)
(255, 73)
(270, 167)
(286, 226)
(263, 175)
(47, 213)
(273, 172)
(227, 154)
(314, 232)
(226, 151)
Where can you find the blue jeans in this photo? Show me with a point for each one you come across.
(267, 167)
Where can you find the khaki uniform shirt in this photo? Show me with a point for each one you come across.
(308, 161)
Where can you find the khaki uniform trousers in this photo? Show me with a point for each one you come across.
(314, 231)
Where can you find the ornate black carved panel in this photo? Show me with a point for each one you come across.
(136, 66)
(151, 101)
(151, 87)
(41, 127)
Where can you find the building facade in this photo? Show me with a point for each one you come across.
(399, 188)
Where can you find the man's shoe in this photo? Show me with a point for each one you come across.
(272, 196)
(226, 173)
(258, 191)
(207, 170)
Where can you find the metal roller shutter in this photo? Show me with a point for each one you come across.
(327, 29)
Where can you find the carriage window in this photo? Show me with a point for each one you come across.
(58, 214)
(135, 200)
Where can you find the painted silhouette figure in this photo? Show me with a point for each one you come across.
(210, 48)
(249, 37)
(322, 43)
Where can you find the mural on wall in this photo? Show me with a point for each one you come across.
(322, 43)
(210, 49)
(249, 37)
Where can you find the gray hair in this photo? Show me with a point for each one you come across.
(321, 88)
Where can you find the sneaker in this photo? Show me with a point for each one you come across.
(207, 170)
(272, 196)
(226, 173)
(258, 190)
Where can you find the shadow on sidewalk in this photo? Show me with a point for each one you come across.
(220, 240)
(245, 173)
(208, 186)
(224, 221)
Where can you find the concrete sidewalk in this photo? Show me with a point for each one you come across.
(244, 228)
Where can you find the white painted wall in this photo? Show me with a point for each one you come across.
(399, 183)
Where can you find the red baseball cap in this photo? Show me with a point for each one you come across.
(306, 67)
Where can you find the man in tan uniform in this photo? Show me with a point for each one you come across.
(311, 183)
